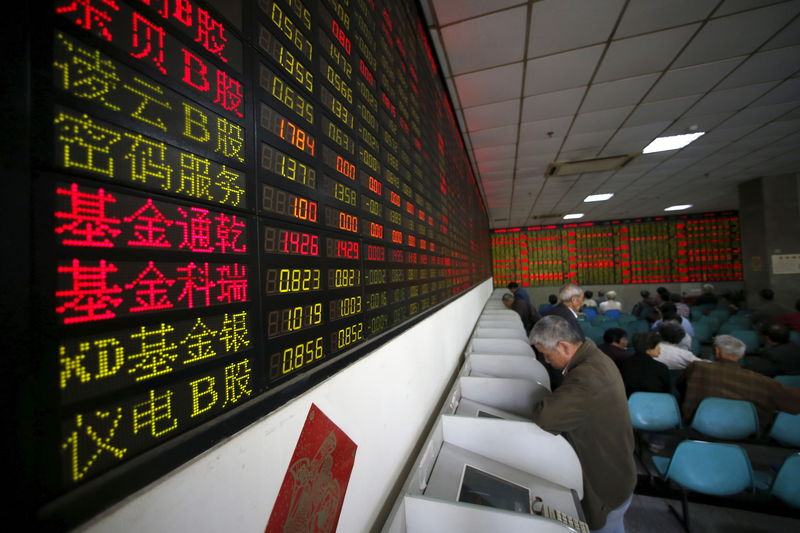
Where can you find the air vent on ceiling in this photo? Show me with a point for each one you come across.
(600, 164)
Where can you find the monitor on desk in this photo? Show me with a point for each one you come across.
(482, 488)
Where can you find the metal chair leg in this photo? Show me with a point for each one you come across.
(684, 520)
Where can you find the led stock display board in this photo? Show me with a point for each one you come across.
(681, 249)
(232, 198)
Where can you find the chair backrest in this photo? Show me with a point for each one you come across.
(794, 336)
(789, 381)
(590, 312)
(712, 322)
(711, 468)
(702, 331)
(500, 333)
(786, 430)
(722, 418)
(599, 319)
(721, 314)
(786, 486)
(748, 337)
(654, 411)
(595, 333)
(626, 318)
(608, 325)
(613, 314)
(696, 349)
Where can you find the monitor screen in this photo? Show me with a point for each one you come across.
(481, 488)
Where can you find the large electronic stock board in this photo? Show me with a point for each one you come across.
(229, 202)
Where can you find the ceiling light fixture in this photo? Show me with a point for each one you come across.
(678, 207)
(673, 142)
(598, 197)
(573, 215)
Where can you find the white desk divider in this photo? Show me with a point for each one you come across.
(500, 346)
(500, 323)
(515, 395)
(495, 313)
(500, 333)
(518, 451)
(507, 366)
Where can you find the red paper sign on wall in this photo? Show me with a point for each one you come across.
(313, 489)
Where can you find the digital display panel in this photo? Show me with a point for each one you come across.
(687, 248)
(223, 211)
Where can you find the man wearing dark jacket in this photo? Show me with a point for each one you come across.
(642, 372)
(528, 315)
(571, 298)
(591, 411)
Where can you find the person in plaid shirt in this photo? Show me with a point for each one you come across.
(726, 379)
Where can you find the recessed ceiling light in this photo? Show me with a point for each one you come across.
(573, 215)
(598, 197)
(678, 207)
(673, 142)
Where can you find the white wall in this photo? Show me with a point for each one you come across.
(383, 402)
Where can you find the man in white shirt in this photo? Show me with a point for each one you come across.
(672, 355)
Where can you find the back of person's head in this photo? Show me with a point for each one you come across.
(588, 294)
(708, 287)
(669, 312)
(611, 295)
(645, 294)
(553, 299)
(508, 297)
(730, 345)
(646, 340)
(614, 335)
(675, 298)
(569, 291)
(671, 332)
(552, 329)
(663, 293)
(777, 332)
(767, 294)
(601, 294)
(513, 285)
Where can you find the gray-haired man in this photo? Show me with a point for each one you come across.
(591, 410)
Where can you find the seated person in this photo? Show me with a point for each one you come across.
(767, 310)
(669, 313)
(708, 296)
(520, 293)
(792, 319)
(645, 308)
(552, 302)
(523, 310)
(587, 300)
(780, 356)
(726, 379)
(615, 344)
(683, 309)
(642, 372)
(662, 295)
(610, 303)
(672, 353)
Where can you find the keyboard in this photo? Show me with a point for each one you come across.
(554, 514)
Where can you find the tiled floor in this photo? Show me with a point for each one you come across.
(651, 515)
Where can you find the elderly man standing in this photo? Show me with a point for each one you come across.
(591, 410)
(726, 379)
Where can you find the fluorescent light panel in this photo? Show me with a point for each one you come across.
(573, 215)
(678, 207)
(673, 142)
(598, 197)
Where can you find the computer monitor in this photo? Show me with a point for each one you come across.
(482, 488)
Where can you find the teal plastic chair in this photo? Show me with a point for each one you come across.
(608, 325)
(599, 319)
(712, 323)
(748, 337)
(638, 326)
(789, 381)
(710, 468)
(654, 411)
(626, 318)
(721, 314)
(696, 346)
(702, 332)
(594, 333)
(786, 430)
(786, 486)
(794, 336)
(725, 419)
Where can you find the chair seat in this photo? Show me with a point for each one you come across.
(661, 464)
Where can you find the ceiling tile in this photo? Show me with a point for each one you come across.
(736, 35)
(588, 23)
(644, 54)
(630, 140)
(788, 36)
(494, 136)
(551, 105)
(701, 122)
(449, 11)
(617, 93)
(734, 6)
(731, 99)
(757, 115)
(691, 80)
(493, 153)
(788, 91)
(485, 42)
(554, 128)
(561, 71)
(492, 115)
(645, 16)
(607, 119)
(489, 86)
(660, 110)
(583, 141)
(497, 165)
(765, 66)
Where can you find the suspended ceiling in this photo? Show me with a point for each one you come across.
(547, 81)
